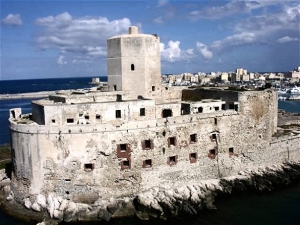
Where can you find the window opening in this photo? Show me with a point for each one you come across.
(13, 113)
(214, 136)
(231, 150)
(98, 117)
(125, 164)
(118, 113)
(53, 121)
(87, 117)
(172, 141)
(147, 144)
(147, 163)
(153, 88)
(123, 147)
(142, 111)
(200, 110)
(88, 167)
(216, 121)
(70, 120)
(172, 160)
(236, 107)
(217, 108)
(167, 113)
(193, 157)
(115, 87)
(132, 67)
(223, 107)
(193, 138)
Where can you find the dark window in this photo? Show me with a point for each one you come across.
(142, 111)
(231, 106)
(193, 157)
(132, 67)
(147, 163)
(13, 114)
(70, 120)
(236, 107)
(87, 117)
(147, 144)
(216, 121)
(217, 108)
(153, 88)
(172, 141)
(115, 87)
(123, 147)
(167, 113)
(172, 160)
(118, 113)
(214, 136)
(88, 167)
(200, 110)
(53, 121)
(193, 138)
(231, 150)
(98, 117)
(223, 106)
(125, 164)
(212, 153)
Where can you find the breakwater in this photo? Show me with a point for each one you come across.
(159, 202)
(30, 95)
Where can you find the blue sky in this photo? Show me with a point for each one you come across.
(42, 39)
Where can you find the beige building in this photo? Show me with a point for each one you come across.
(83, 154)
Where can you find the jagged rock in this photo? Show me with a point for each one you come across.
(56, 203)
(36, 207)
(112, 207)
(103, 215)
(27, 203)
(41, 200)
(57, 214)
(50, 205)
(63, 205)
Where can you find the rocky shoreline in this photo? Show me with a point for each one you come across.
(163, 202)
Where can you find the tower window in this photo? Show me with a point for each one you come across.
(167, 113)
(172, 160)
(193, 157)
(231, 150)
(171, 141)
(88, 167)
(98, 117)
(70, 120)
(200, 110)
(142, 111)
(147, 163)
(216, 121)
(125, 164)
(153, 88)
(193, 138)
(132, 67)
(118, 113)
(147, 144)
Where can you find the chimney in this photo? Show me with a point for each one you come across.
(133, 30)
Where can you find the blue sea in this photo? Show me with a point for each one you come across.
(281, 207)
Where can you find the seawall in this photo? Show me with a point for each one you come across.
(161, 202)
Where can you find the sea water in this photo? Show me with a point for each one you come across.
(280, 207)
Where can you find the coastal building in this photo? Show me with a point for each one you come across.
(84, 150)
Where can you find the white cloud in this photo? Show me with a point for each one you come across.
(203, 49)
(161, 3)
(12, 19)
(158, 20)
(234, 40)
(286, 39)
(61, 60)
(83, 37)
(173, 52)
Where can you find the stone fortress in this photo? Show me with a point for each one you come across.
(86, 155)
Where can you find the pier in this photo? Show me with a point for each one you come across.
(29, 95)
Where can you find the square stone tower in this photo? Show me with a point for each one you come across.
(133, 62)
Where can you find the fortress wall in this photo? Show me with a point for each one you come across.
(201, 93)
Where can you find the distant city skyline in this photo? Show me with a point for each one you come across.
(49, 39)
